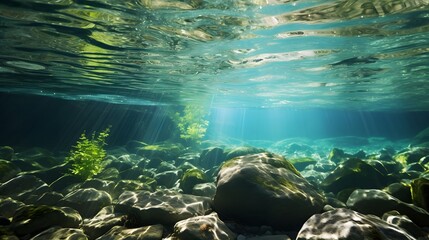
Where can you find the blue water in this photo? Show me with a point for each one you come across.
(329, 54)
(261, 70)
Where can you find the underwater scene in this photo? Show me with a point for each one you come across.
(214, 120)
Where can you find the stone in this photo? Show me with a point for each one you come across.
(153, 232)
(354, 173)
(265, 189)
(6, 153)
(164, 150)
(167, 179)
(131, 173)
(99, 184)
(415, 167)
(129, 185)
(51, 174)
(420, 192)
(164, 206)
(378, 202)
(8, 170)
(204, 189)
(190, 178)
(302, 162)
(110, 173)
(411, 155)
(107, 218)
(165, 166)
(87, 201)
(49, 198)
(401, 191)
(208, 227)
(403, 222)
(25, 188)
(337, 155)
(33, 219)
(241, 151)
(8, 207)
(65, 182)
(342, 223)
(211, 157)
(61, 233)
(270, 237)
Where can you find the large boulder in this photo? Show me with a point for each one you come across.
(378, 202)
(265, 189)
(208, 227)
(342, 223)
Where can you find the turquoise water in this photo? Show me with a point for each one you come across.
(361, 55)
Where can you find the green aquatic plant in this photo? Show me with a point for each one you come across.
(192, 123)
(87, 156)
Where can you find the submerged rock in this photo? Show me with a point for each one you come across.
(377, 202)
(190, 178)
(153, 232)
(211, 157)
(208, 227)
(35, 219)
(8, 207)
(6, 153)
(403, 222)
(241, 151)
(420, 192)
(107, 218)
(411, 155)
(401, 191)
(61, 233)
(265, 189)
(25, 188)
(347, 224)
(8, 170)
(164, 206)
(88, 201)
(354, 173)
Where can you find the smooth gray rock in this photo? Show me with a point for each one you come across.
(61, 233)
(208, 227)
(24, 188)
(87, 201)
(164, 206)
(33, 219)
(341, 223)
(107, 218)
(378, 202)
(153, 232)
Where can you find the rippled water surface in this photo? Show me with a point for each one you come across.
(336, 54)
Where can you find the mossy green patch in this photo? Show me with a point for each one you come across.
(190, 178)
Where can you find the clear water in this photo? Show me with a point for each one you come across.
(361, 55)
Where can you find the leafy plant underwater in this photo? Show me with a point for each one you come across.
(192, 124)
(87, 156)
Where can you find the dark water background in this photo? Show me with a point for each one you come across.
(37, 121)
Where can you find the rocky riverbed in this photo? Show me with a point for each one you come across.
(338, 188)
